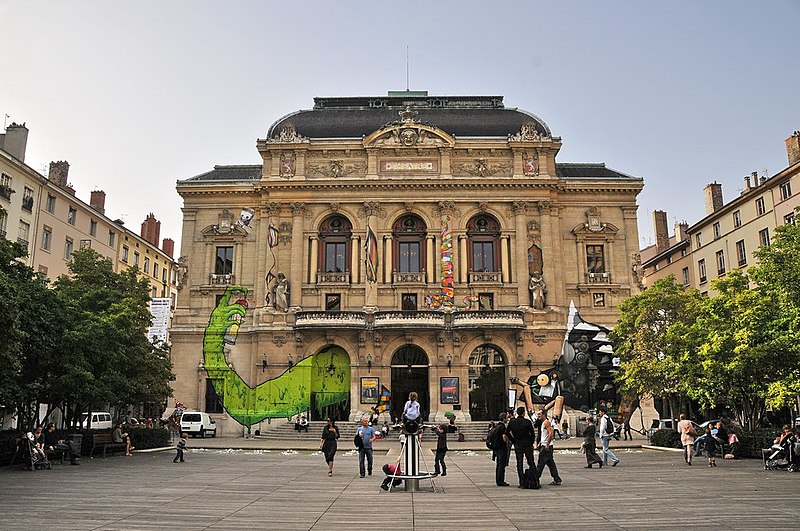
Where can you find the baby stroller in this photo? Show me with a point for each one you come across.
(785, 455)
(34, 458)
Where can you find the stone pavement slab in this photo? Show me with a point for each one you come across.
(267, 489)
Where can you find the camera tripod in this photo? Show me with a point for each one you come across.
(411, 453)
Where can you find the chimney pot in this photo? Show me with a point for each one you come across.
(151, 229)
(168, 246)
(662, 233)
(793, 148)
(713, 197)
(15, 141)
(59, 171)
(98, 201)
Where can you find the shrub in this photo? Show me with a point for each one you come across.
(751, 442)
(143, 438)
(666, 438)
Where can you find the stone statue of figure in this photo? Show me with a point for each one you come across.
(538, 291)
(280, 293)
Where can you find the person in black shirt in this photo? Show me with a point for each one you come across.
(520, 432)
(52, 442)
(590, 446)
(441, 450)
(501, 452)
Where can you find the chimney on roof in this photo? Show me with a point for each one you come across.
(15, 140)
(747, 186)
(660, 226)
(681, 231)
(168, 246)
(98, 201)
(151, 228)
(59, 171)
(713, 193)
(793, 148)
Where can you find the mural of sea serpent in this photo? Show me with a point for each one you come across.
(325, 374)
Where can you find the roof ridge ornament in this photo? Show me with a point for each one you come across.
(407, 115)
(288, 135)
(528, 133)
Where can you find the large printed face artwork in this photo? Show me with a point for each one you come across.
(326, 374)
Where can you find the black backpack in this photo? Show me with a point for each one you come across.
(358, 440)
(492, 442)
(609, 425)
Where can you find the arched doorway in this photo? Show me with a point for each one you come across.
(410, 373)
(487, 383)
(330, 384)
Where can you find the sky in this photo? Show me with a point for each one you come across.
(138, 95)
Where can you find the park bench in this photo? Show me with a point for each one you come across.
(104, 441)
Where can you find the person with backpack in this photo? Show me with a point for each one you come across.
(441, 450)
(606, 432)
(367, 434)
(496, 441)
(520, 433)
(589, 444)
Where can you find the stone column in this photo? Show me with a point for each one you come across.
(549, 247)
(355, 259)
(295, 280)
(463, 261)
(429, 259)
(504, 258)
(312, 271)
(387, 259)
(520, 253)
(559, 287)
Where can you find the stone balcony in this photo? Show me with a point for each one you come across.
(410, 319)
(485, 277)
(489, 319)
(333, 278)
(221, 280)
(408, 278)
(330, 320)
(598, 278)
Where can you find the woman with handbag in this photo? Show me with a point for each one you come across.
(327, 443)
(688, 433)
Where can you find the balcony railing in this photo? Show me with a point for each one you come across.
(27, 204)
(598, 278)
(330, 320)
(2, 233)
(489, 319)
(23, 242)
(5, 192)
(409, 278)
(221, 279)
(410, 319)
(485, 277)
(333, 278)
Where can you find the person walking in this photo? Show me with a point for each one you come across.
(367, 434)
(626, 430)
(589, 444)
(606, 432)
(441, 450)
(181, 446)
(327, 443)
(546, 449)
(688, 434)
(710, 444)
(520, 433)
(501, 451)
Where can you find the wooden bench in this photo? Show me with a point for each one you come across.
(104, 441)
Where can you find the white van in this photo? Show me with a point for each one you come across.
(101, 420)
(198, 423)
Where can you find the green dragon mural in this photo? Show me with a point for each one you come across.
(326, 374)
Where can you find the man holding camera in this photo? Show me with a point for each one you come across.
(367, 434)
(520, 433)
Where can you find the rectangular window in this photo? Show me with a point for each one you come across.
(85, 244)
(68, 248)
(51, 203)
(760, 207)
(717, 231)
(701, 269)
(24, 233)
(741, 253)
(720, 262)
(408, 257)
(5, 180)
(685, 273)
(164, 275)
(135, 258)
(224, 263)
(683, 252)
(483, 256)
(698, 240)
(786, 190)
(485, 301)
(788, 219)
(763, 237)
(333, 302)
(146, 266)
(3, 222)
(595, 259)
(213, 400)
(27, 199)
(408, 302)
(124, 253)
(71, 215)
(47, 238)
(737, 219)
(155, 270)
(93, 228)
(112, 238)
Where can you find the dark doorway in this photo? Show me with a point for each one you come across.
(487, 383)
(410, 373)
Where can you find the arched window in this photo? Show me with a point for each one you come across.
(483, 232)
(409, 244)
(334, 249)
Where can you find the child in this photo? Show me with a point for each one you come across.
(180, 448)
(441, 450)
(710, 444)
(391, 470)
(411, 413)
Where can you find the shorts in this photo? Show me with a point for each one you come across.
(711, 453)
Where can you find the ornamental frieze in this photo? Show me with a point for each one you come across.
(480, 167)
(336, 169)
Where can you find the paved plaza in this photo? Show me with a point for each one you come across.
(220, 488)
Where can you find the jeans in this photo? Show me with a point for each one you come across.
(524, 454)
(607, 451)
(546, 458)
(439, 461)
(70, 448)
(501, 456)
(364, 452)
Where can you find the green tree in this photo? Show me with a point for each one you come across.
(13, 278)
(655, 343)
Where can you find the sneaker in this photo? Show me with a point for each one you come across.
(601, 464)
(555, 483)
(385, 487)
(330, 474)
(362, 477)
(444, 473)
(369, 473)
(588, 466)
(503, 484)
(689, 463)
(615, 463)
(710, 465)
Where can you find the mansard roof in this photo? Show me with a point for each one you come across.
(250, 172)
(357, 117)
(589, 170)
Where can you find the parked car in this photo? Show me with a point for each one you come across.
(672, 424)
(198, 423)
(101, 420)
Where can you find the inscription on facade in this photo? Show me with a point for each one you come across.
(413, 166)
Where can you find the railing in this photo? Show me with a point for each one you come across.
(27, 204)
(23, 242)
(410, 319)
(409, 278)
(489, 319)
(330, 319)
(476, 277)
(598, 278)
(333, 278)
(2, 234)
(221, 279)
(5, 192)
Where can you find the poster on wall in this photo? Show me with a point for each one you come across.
(449, 390)
(370, 390)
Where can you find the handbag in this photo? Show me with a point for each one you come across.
(358, 441)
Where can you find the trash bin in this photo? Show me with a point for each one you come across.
(580, 426)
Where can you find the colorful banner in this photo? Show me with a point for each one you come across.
(371, 256)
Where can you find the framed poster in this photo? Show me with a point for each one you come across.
(370, 389)
(449, 390)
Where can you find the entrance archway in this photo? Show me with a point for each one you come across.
(487, 383)
(410, 373)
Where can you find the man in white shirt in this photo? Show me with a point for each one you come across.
(546, 449)
(605, 436)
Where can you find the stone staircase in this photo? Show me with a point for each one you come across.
(284, 431)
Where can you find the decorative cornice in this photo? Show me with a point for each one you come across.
(336, 168)
(298, 209)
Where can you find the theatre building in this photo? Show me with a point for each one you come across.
(394, 244)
